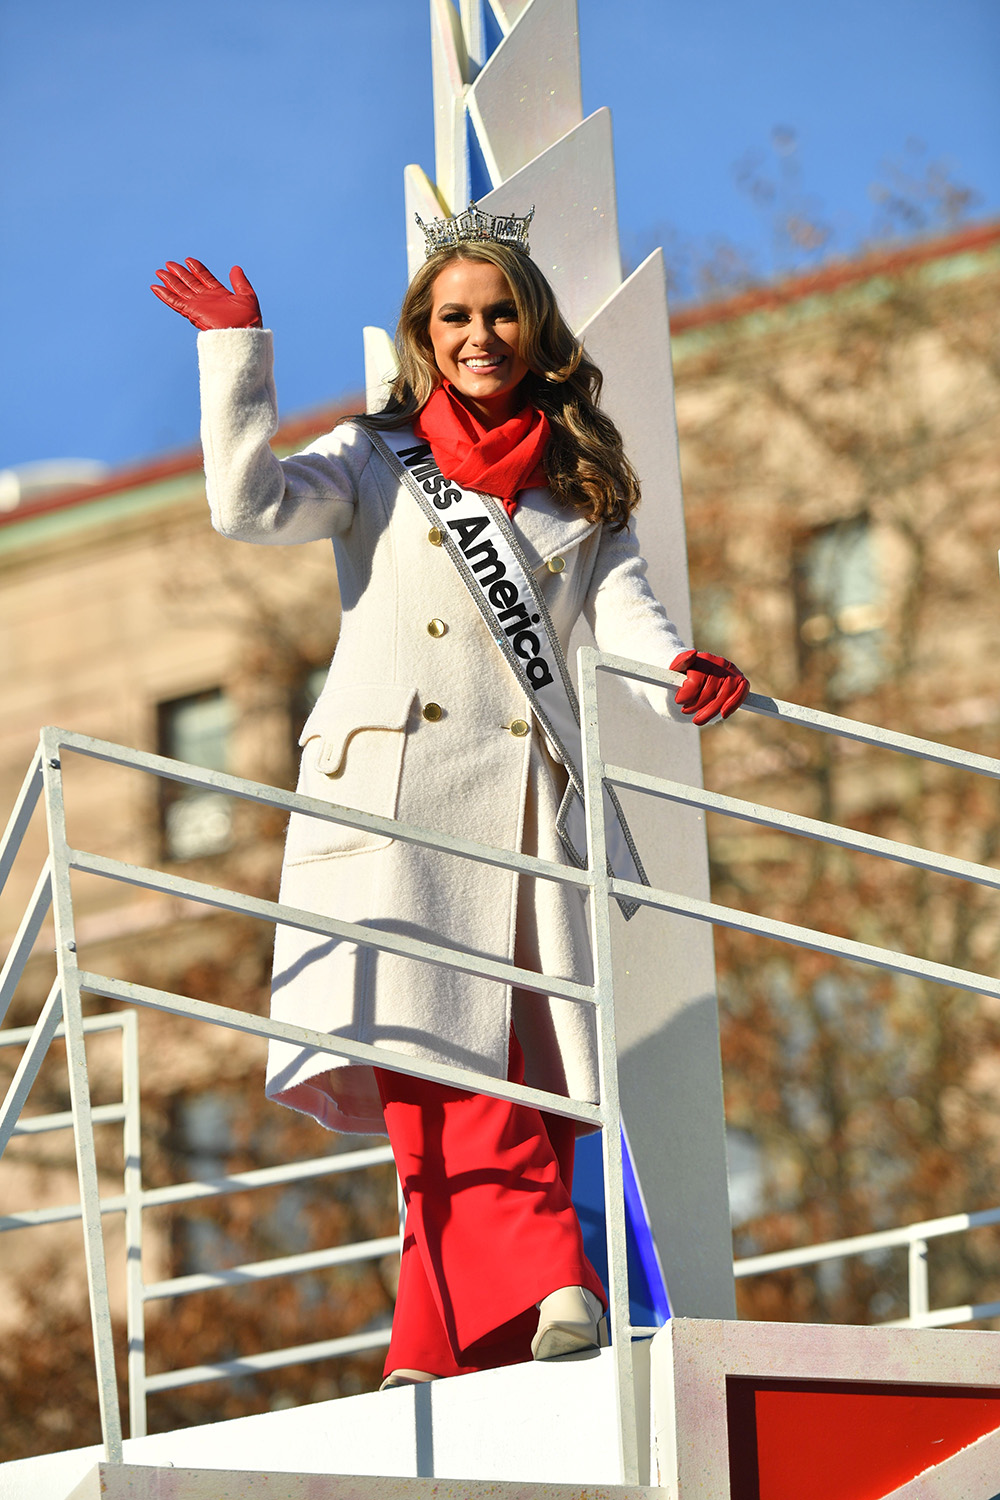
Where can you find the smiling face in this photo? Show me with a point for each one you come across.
(474, 332)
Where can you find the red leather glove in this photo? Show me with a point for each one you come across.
(712, 685)
(194, 292)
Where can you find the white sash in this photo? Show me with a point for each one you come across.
(477, 534)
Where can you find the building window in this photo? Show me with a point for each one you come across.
(196, 821)
(840, 605)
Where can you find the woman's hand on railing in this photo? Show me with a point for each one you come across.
(197, 295)
(712, 685)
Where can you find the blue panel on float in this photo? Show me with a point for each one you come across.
(649, 1305)
(492, 35)
(480, 182)
(479, 178)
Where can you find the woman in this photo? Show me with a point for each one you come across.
(425, 717)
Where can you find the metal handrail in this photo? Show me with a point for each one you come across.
(914, 1238)
(602, 888)
(863, 1244)
(135, 1199)
(54, 888)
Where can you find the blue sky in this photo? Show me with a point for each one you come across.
(274, 133)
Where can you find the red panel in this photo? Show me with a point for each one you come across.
(844, 1440)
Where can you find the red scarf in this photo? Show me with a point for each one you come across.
(499, 461)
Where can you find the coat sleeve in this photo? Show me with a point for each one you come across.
(627, 618)
(254, 496)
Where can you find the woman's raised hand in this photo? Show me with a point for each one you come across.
(712, 685)
(193, 291)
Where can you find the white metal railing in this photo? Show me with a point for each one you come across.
(45, 780)
(53, 888)
(134, 1199)
(915, 1239)
(830, 833)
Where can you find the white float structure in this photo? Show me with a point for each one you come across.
(510, 133)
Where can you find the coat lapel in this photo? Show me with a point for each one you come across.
(547, 529)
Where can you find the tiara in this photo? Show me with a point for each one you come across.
(474, 226)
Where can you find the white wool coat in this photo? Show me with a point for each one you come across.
(367, 745)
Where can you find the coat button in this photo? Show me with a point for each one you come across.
(518, 728)
(556, 564)
(436, 628)
(435, 536)
(431, 712)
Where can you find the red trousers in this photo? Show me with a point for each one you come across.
(490, 1225)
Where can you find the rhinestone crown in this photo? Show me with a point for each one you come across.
(474, 226)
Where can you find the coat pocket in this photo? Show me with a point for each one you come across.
(352, 754)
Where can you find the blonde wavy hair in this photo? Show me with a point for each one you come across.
(585, 460)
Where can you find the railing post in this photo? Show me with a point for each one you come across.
(134, 1287)
(79, 1088)
(614, 1188)
(19, 819)
(32, 1058)
(918, 1280)
(28, 929)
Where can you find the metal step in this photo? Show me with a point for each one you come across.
(138, 1482)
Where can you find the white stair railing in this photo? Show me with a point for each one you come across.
(135, 1199)
(915, 1239)
(64, 1009)
(64, 1001)
(829, 833)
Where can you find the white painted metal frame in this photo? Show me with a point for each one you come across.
(845, 838)
(72, 982)
(914, 1236)
(915, 1239)
(134, 1199)
(45, 778)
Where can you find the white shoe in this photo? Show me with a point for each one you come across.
(570, 1321)
(406, 1377)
